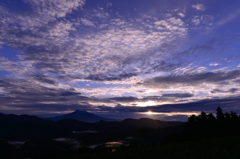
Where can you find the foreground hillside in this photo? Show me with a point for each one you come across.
(215, 148)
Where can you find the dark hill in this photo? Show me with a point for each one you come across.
(115, 126)
(11, 118)
(151, 123)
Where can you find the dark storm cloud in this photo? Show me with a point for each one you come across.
(27, 95)
(67, 93)
(192, 79)
(163, 97)
(124, 99)
(44, 79)
(46, 109)
(110, 77)
(178, 95)
(232, 90)
(147, 68)
(21, 91)
(237, 81)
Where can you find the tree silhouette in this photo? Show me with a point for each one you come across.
(227, 117)
(192, 119)
(220, 115)
(208, 125)
(211, 118)
(203, 116)
(234, 116)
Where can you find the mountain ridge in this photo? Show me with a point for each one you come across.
(80, 115)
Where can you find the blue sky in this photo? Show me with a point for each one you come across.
(119, 58)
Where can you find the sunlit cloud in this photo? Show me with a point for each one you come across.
(214, 64)
(199, 7)
(170, 114)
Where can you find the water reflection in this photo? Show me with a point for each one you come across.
(72, 143)
(114, 144)
(85, 132)
(16, 144)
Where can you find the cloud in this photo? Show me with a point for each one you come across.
(191, 79)
(22, 91)
(67, 93)
(124, 99)
(207, 19)
(214, 64)
(237, 81)
(87, 22)
(152, 99)
(44, 79)
(18, 68)
(208, 105)
(110, 77)
(55, 8)
(196, 20)
(39, 89)
(181, 15)
(117, 49)
(178, 95)
(22, 94)
(232, 90)
(199, 7)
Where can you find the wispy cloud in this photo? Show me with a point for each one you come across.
(192, 79)
(199, 7)
(214, 64)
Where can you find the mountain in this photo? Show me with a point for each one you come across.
(12, 118)
(80, 115)
(151, 123)
(24, 127)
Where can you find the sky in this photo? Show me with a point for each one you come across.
(163, 59)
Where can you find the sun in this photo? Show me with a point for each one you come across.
(149, 112)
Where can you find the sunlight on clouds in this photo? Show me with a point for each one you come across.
(151, 113)
(214, 64)
(144, 104)
(169, 114)
(199, 7)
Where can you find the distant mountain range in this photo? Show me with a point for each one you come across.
(31, 135)
(14, 119)
(81, 115)
(23, 127)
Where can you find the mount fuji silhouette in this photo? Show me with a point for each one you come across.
(81, 115)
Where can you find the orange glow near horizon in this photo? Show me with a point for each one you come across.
(149, 112)
(169, 114)
(148, 103)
